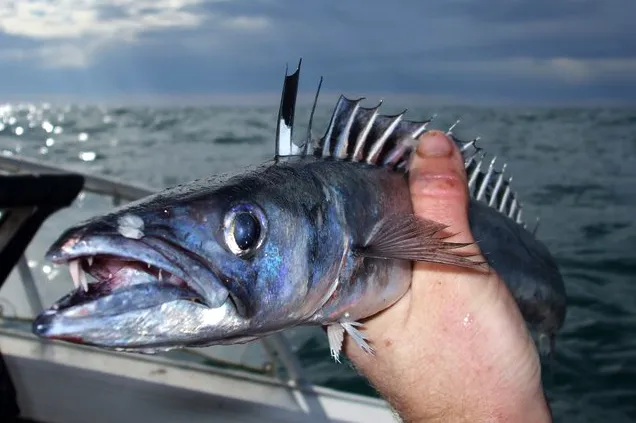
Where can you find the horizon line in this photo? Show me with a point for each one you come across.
(305, 99)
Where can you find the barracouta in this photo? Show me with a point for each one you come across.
(323, 234)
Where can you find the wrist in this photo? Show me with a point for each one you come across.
(484, 399)
(503, 409)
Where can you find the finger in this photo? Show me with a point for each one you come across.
(438, 184)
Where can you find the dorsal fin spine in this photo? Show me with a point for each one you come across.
(472, 177)
(453, 126)
(419, 131)
(504, 200)
(469, 144)
(486, 181)
(513, 208)
(342, 146)
(309, 141)
(376, 148)
(497, 187)
(326, 145)
(394, 156)
(286, 114)
(362, 137)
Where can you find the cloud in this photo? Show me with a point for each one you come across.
(73, 32)
(519, 49)
(567, 70)
(116, 19)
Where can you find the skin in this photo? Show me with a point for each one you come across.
(455, 348)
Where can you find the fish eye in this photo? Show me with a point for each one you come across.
(244, 229)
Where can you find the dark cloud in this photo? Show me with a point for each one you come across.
(108, 12)
(508, 11)
(571, 50)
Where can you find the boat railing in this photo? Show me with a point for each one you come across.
(276, 346)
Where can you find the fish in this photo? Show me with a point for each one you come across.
(323, 234)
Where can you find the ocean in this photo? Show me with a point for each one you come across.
(573, 167)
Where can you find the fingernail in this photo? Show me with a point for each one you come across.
(435, 144)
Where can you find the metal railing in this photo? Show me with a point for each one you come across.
(276, 345)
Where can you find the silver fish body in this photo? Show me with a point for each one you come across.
(306, 270)
(325, 234)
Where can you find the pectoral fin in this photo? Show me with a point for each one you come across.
(409, 237)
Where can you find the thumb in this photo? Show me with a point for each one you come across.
(438, 184)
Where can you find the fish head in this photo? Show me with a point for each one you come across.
(201, 264)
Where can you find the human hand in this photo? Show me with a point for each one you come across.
(455, 347)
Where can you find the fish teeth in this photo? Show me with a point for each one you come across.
(78, 275)
(74, 267)
(160, 276)
(83, 281)
(90, 260)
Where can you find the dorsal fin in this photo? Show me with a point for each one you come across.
(362, 134)
(286, 112)
(488, 184)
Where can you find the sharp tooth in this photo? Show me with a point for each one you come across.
(149, 266)
(74, 268)
(160, 276)
(90, 260)
(83, 281)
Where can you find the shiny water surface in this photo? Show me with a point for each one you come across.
(576, 168)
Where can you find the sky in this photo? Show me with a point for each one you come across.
(456, 51)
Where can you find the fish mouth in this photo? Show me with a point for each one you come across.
(117, 277)
(103, 274)
(105, 264)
